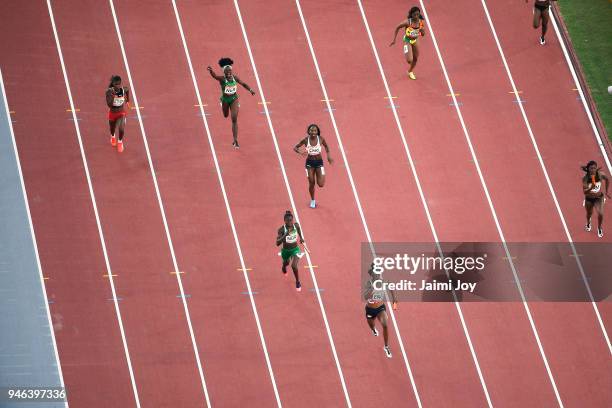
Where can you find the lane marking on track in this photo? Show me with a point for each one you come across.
(390, 97)
(136, 107)
(244, 269)
(327, 100)
(194, 344)
(545, 170)
(356, 195)
(111, 275)
(434, 233)
(517, 92)
(292, 201)
(70, 110)
(197, 105)
(11, 112)
(46, 278)
(226, 202)
(266, 102)
(176, 272)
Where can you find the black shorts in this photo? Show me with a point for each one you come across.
(541, 7)
(371, 313)
(314, 163)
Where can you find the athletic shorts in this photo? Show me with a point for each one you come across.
(371, 313)
(314, 163)
(287, 253)
(541, 7)
(228, 98)
(113, 116)
(598, 202)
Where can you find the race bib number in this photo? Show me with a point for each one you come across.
(596, 187)
(230, 90)
(118, 101)
(405, 48)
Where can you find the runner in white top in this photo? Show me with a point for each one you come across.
(593, 195)
(375, 307)
(314, 161)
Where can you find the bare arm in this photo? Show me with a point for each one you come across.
(299, 231)
(401, 25)
(606, 180)
(109, 97)
(248, 88)
(296, 148)
(212, 74)
(281, 236)
(324, 143)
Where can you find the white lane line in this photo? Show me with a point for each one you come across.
(423, 201)
(295, 212)
(598, 139)
(161, 208)
(95, 207)
(227, 205)
(548, 182)
(31, 225)
(493, 212)
(355, 194)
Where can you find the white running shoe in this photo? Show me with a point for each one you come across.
(600, 232)
(388, 351)
(313, 203)
(588, 227)
(542, 41)
(375, 332)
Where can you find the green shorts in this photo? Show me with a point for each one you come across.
(289, 252)
(228, 98)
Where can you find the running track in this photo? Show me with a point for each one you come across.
(113, 231)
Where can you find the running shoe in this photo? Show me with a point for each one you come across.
(298, 286)
(587, 227)
(313, 203)
(235, 144)
(411, 75)
(113, 141)
(120, 146)
(375, 332)
(542, 41)
(284, 271)
(388, 351)
(599, 232)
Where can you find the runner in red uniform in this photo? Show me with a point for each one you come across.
(117, 99)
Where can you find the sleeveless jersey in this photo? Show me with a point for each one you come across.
(119, 98)
(292, 237)
(313, 150)
(230, 87)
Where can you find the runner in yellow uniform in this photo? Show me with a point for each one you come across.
(413, 26)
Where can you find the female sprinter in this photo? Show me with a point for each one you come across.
(314, 161)
(229, 93)
(414, 27)
(117, 98)
(288, 236)
(375, 307)
(540, 13)
(593, 196)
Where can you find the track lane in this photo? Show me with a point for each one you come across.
(84, 320)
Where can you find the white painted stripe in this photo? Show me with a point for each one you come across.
(95, 207)
(548, 181)
(295, 212)
(493, 212)
(31, 225)
(598, 139)
(227, 205)
(161, 208)
(424, 201)
(356, 195)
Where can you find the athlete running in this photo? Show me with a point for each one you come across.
(288, 236)
(594, 197)
(229, 93)
(414, 27)
(314, 160)
(117, 99)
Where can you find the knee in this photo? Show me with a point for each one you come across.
(294, 267)
(234, 119)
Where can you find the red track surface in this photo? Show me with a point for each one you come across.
(299, 348)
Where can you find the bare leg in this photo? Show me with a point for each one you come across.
(415, 56)
(382, 317)
(311, 183)
(121, 122)
(235, 107)
(319, 172)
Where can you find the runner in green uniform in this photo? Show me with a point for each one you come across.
(229, 93)
(288, 236)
